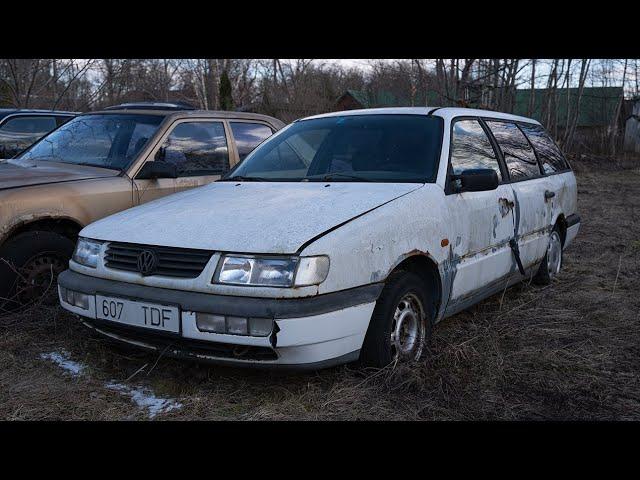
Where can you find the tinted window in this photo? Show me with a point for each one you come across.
(63, 119)
(18, 133)
(548, 152)
(471, 148)
(382, 148)
(30, 125)
(248, 136)
(197, 148)
(518, 154)
(99, 140)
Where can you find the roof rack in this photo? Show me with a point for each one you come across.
(152, 106)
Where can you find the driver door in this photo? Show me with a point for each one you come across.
(482, 222)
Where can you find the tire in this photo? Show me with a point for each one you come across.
(552, 261)
(380, 348)
(29, 266)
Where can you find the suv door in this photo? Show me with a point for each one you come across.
(482, 223)
(18, 132)
(533, 214)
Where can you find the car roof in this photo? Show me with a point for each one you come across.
(4, 112)
(226, 114)
(447, 113)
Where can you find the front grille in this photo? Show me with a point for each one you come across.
(172, 262)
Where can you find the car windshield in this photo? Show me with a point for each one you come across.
(102, 140)
(351, 148)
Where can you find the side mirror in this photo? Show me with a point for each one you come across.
(155, 170)
(477, 180)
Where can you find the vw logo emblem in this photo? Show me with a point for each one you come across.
(147, 262)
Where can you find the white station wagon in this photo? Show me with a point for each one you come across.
(344, 236)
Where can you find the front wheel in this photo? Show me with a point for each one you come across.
(401, 322)
(552, 261)
(29, 266)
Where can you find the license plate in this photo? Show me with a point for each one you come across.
(138, 314)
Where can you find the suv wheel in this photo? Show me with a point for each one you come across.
(29, 267)
(401, 322)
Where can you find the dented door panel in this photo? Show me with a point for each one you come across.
(482, 223)
(533, 219)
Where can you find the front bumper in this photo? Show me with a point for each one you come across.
(311, 332)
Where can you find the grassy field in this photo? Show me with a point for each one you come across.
(567, 351)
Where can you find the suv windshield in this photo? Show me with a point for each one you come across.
(102, 140)
(372, 148)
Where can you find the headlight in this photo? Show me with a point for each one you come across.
(271, 271)
(87, 252)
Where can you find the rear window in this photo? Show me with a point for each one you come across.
(518, 154)
(548, 152)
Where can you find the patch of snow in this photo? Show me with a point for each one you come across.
(146, 399)
(143, 397)
(62, 359)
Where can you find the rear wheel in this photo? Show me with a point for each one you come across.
(552, 261)
(401, 322)
(29, 267)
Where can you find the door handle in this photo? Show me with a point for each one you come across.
(549, 194)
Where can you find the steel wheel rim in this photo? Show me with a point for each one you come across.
(407, 329)
(554, 254)
(38, 276)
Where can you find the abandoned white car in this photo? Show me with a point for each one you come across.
(344, 236)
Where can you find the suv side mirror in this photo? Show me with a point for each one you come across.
(155, 170)
(477, 180)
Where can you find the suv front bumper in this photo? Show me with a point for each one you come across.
(312, 332)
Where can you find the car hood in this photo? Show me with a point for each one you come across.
(17, 173)
(247, 217)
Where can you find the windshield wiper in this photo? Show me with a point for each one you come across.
(332, 175)
(243, 179)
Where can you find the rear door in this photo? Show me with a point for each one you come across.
(559, 182)
(482, 223)
(532, 212)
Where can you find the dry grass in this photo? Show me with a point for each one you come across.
(568, 351)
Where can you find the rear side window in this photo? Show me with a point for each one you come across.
(548, 152)
(471, 148)
(248, 136)
(518, 154)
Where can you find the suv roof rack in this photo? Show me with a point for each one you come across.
(152, 106)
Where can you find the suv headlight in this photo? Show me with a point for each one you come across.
(87, 252)
(271, 271)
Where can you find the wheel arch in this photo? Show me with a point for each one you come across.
(561, 223)
(66, 226)
(423, 265)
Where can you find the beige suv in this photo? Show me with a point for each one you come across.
(101, 163)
